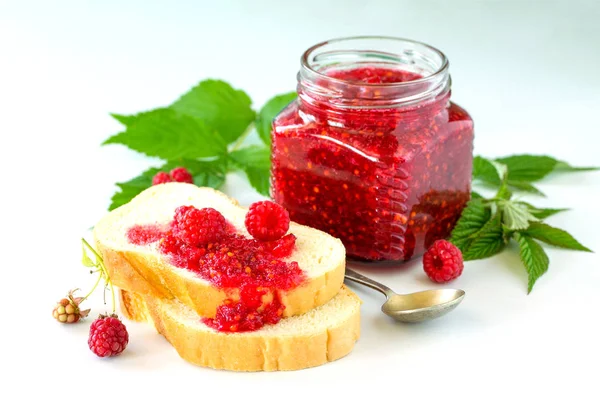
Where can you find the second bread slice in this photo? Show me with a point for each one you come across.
(143, 269)
(324, 334)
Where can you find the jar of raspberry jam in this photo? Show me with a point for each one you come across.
(373, 151)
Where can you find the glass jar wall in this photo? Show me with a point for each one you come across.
(373, 151)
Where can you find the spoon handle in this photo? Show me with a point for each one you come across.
(363, 280)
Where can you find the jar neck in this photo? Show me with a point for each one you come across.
(420, 76)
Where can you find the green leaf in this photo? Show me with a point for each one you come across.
(501, 170)
(124, 119)
(504, 192)
(254, 156)
(255, 161)
(128, 190)
(524, 187)
(488, 241)
(212, 176)
(259, 179)
(531, 168)
(475, 195)
(205, 173)
(478, 233)
(219, 106)
(542, 213)
(554, 236)
(269, 111)
(485, 171)
(492, 173)
(534, 258)
(165, 134)
(563, 166)
(473, 218)
(516, 216)
(528, 168)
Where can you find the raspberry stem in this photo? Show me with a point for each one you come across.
(94, 288)
(112, 292)
(103, 273)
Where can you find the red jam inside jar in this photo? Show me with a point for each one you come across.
(373, 151)
(260, 270)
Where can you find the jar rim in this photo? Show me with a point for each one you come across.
(442, 69)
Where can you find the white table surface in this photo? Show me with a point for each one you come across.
(527, 72)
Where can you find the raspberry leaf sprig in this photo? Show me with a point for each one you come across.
(486, 226)
(204, 131)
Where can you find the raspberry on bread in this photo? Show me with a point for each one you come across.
(267, 221)
(144, 269)
(323, 334)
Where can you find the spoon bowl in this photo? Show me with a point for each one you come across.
(421, 306)
(412, 307)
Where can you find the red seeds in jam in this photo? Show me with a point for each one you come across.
(257, 269)
(387, 181)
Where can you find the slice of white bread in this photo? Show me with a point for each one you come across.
(323, 334)
(144, 270)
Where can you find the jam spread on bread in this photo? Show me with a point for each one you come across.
(258, 269)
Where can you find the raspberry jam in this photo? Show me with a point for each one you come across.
(143, 235)
(373, 151)
(256, 268)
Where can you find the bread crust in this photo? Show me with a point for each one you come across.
(239, 352)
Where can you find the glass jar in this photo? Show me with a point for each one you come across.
(373, 151)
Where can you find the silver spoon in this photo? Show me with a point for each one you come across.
(413, 307)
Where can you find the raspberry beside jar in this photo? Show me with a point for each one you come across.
(373, 151)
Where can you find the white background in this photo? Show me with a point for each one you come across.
(528, 72)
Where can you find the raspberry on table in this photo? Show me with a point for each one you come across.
(108, 336)
(181, 174)
(443, 261)
(267, 220)
(197, 227)
(161, 177)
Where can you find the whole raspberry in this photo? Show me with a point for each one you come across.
(197, 227)
(108, 336)
(161, 177)
(67, 309)
(181, 174)
(443, 261)
(267, 220)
